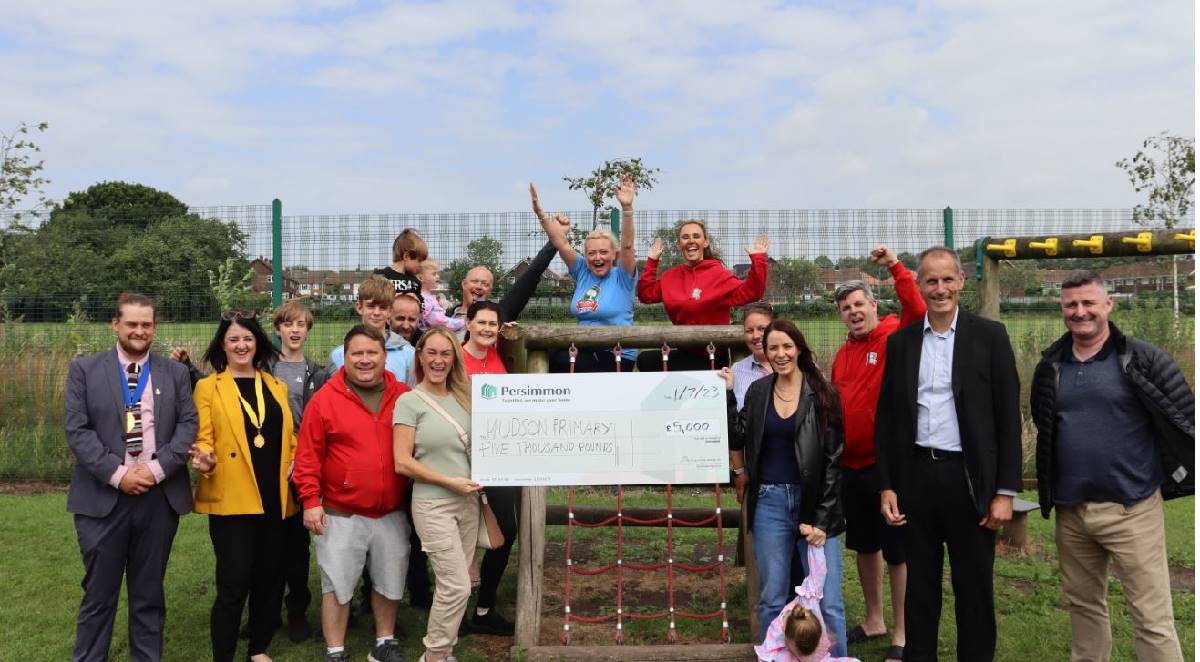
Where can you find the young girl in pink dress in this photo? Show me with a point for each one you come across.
(798, 633)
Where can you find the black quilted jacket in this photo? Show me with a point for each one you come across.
(1160, 386)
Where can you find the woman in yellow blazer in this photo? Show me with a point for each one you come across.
(244, 449)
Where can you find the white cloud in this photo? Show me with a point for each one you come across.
(422, 106)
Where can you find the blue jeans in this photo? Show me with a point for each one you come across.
(776, 538)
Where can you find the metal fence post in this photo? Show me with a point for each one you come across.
(948, 227)
(614, 223)
(276, 253)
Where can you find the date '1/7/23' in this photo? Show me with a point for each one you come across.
(696, 393)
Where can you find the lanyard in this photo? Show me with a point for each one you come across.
(255, 420)
(132, 398)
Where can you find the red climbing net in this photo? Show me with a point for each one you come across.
(620, 566)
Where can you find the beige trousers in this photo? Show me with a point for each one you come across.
(1090, 534)
(449, 529)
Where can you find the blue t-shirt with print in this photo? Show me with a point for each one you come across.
(604, 301)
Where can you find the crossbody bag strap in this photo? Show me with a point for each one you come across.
(462, 434)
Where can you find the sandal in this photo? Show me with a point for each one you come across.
(859, 635)
(894, 652)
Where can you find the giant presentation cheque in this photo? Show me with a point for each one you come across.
(599, 429)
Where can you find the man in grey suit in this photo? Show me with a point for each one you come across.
(130, 422)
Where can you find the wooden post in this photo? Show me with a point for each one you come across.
(989, 289)
(747, 540)
(532, 543)
(512, 351)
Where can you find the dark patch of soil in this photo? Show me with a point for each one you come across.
(1183, 578)
(643, 592)
(23, 487)
(1022, 586)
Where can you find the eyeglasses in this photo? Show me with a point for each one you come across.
(238, 314)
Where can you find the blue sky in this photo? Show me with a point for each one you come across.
(340, 107)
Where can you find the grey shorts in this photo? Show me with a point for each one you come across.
(352, 542)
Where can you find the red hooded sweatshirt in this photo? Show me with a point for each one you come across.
(344, 456)
(703, 294)
(858, 372)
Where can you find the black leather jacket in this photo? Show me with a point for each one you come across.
(818, 454)
(1161, 388)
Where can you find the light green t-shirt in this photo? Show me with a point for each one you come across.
(437, 445)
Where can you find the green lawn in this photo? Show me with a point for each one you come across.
(42, 571)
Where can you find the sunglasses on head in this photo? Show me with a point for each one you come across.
(238, 314)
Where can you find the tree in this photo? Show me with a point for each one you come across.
(121, 203)
(482, 252)
(823, 262)
(793, 276)
(20, 175)
(599, 186)
(1165, 170)
(75, 257)
(1019, 278)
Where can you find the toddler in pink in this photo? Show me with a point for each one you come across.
(798, 633)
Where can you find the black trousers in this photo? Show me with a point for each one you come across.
(650, 360)
(417, 580)
(296, 556)
(133, 541)
(249, 551)
(588, 360)
(504, 502)
(939, 513)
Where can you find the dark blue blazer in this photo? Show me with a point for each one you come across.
(94, 424)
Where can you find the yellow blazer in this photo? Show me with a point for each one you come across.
(230, 488)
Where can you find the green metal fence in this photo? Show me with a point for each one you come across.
(55, 306)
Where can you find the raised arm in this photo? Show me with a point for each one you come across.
(755, 285)
(912, 306)
(649, 290)
(555, 228)
(625, 193)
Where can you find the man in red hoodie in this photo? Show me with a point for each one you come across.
(352, 496)
(857, 374)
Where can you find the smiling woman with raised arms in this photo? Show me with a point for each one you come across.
(605, 277)
(699, 291)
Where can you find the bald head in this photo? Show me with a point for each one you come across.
(477, 285)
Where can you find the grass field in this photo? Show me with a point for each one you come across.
(42, 570)
(34, 360)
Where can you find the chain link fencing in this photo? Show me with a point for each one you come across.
(58, 284)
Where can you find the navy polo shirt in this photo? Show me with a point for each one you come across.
(1104, 441)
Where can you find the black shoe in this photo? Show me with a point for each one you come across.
(340, 656)
(297, 627)
(388, 651)
(491, 623)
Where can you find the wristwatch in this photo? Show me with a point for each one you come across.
(738, 471)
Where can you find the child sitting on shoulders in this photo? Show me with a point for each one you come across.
(432, 312)
(798, 633)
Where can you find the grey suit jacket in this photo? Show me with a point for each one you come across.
(95, 434)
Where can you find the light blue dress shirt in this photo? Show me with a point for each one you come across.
(937, 419)
(746, 372)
